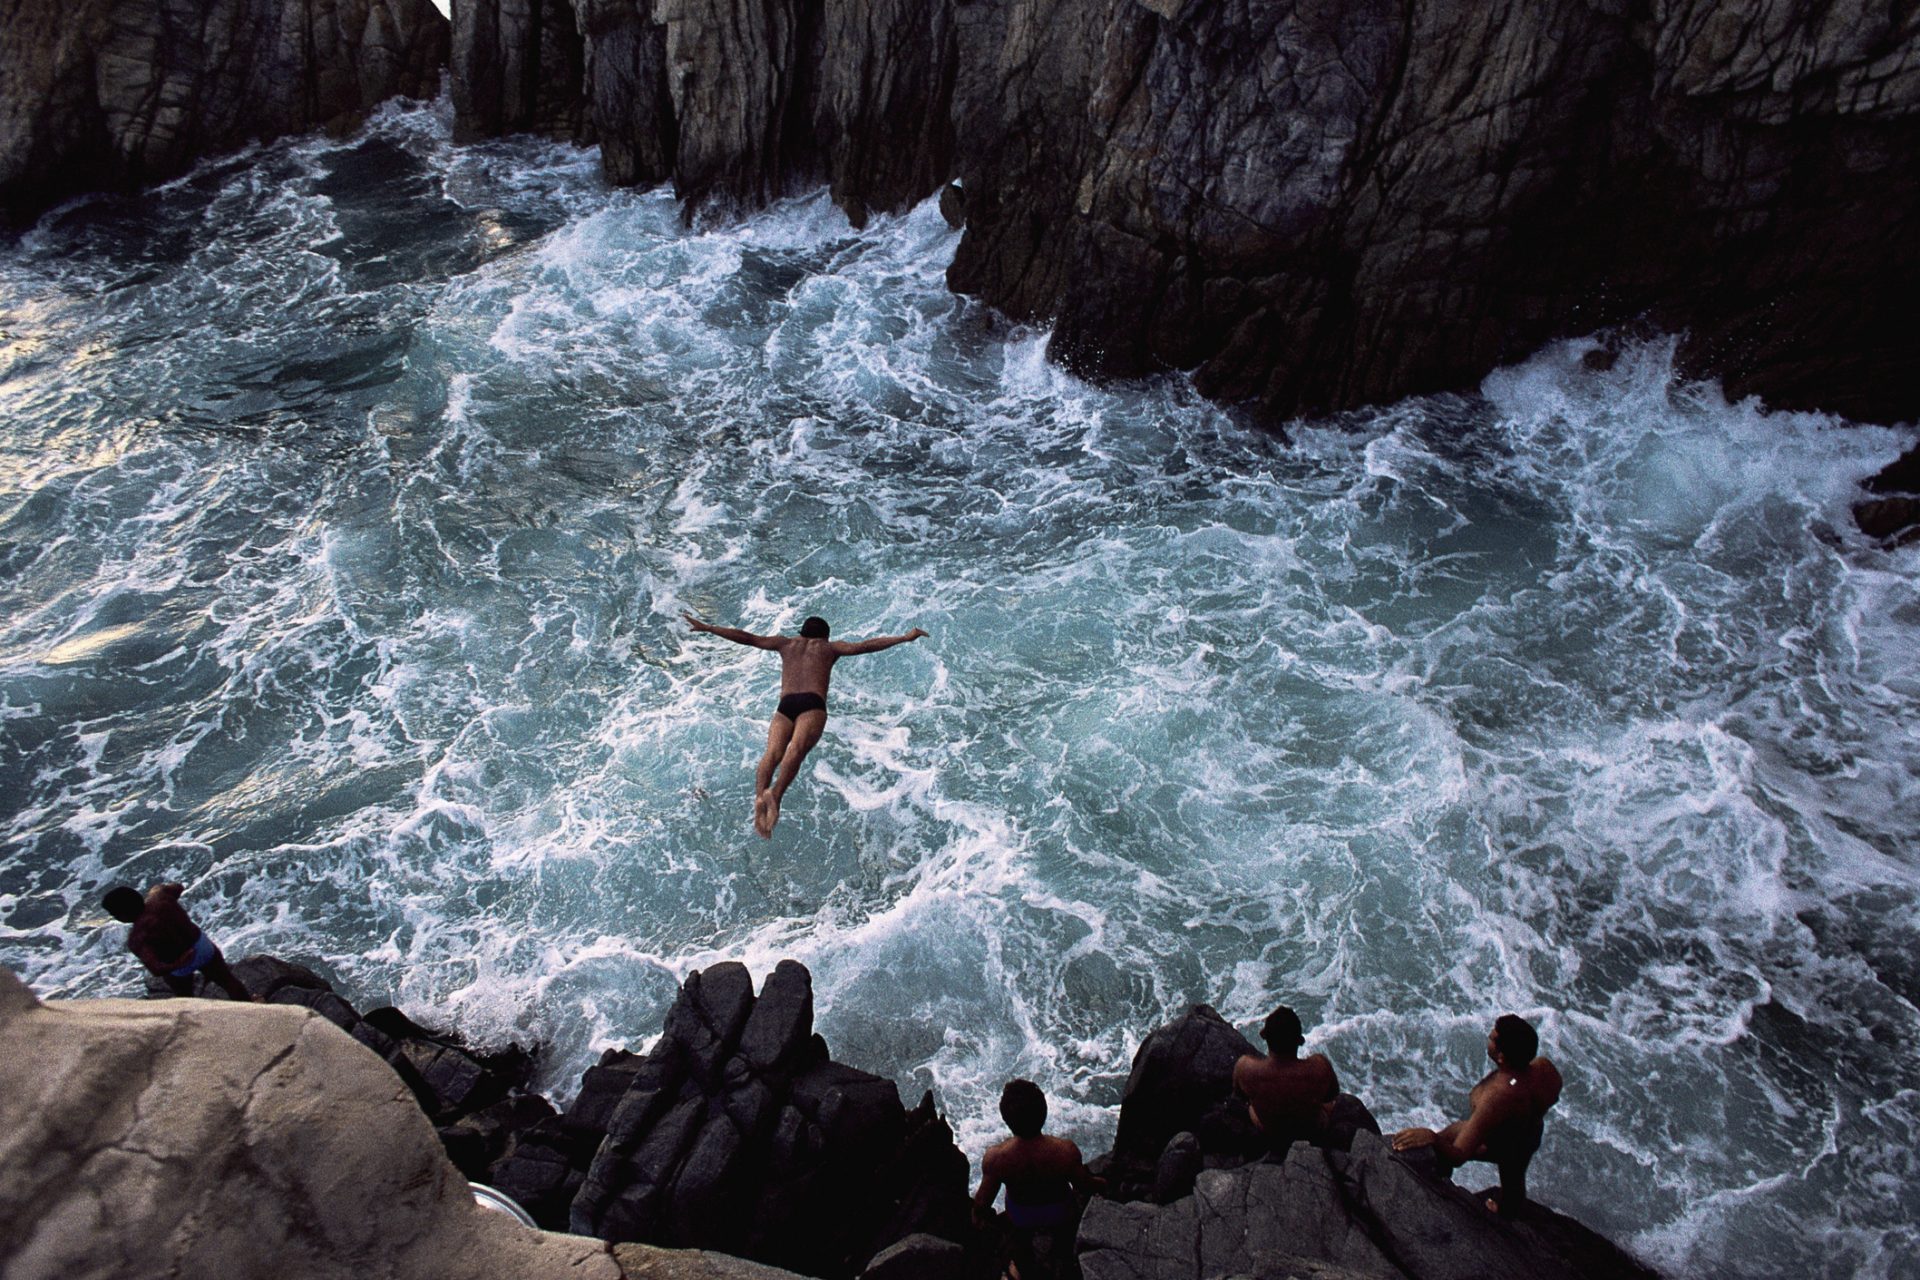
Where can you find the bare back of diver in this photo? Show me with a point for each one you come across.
(806, 669)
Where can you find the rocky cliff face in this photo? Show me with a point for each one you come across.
(1317, 205)
(116, 93)
(1310, 205)
(199, 1138)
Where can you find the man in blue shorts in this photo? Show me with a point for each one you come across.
(168, 942)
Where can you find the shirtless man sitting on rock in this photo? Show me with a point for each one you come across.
(1289, 1097)
(806, 664)
(1045, 1179)
(1508, 1111)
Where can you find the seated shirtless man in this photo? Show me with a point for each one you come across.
(168, 942)
(1045, 1181)
(1289, 1097)
(1508, 1111)
(806, 664)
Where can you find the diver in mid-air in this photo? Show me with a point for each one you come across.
(806, 665)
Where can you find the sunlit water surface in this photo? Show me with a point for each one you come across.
(350, 491)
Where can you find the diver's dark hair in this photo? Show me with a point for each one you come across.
(1281, 1030)
(124, 904)
(1516, 1039)
(1024, 1108)
(814, 628)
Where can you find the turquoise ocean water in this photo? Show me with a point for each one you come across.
(350, 491)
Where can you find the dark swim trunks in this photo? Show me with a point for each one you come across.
(795, 705)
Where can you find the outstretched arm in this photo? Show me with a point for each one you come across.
(846, 648)
(1463, 1140)
(734, 634)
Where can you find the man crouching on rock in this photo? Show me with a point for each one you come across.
(1046, 1182)
(1508, 1114)
(168, 942)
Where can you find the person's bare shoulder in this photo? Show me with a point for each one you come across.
(1550, 1081)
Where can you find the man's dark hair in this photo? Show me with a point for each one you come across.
(1281, 1030)
(814, 628)
(1516, 1039)
(1024, 1108)
(124, 904)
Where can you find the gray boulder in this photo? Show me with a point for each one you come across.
(918, 1257)
(1362, 1213)
(143, 1139)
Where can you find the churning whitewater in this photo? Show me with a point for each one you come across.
(350, 491)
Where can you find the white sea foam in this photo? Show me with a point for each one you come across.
(350, 597)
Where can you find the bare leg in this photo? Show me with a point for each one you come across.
(779, 733)
(217, 970)
(806, 732)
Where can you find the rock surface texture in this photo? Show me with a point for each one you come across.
(196, 1137)
(1331, 1213)
(737, 1133)
(1311, 205)
(117, 93)
(201, 1138)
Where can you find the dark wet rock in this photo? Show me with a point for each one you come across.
(1348, 1119)
(1179, 1164)
(475, 1142)
(518, 66)
(120, 93)
(624, 82)
(267, 976)
(323, 1002)
(1181, 1081)
(1364, 1213)
(737, 1133)
(778, 1029)
(601, 1088)
(918, 1257)
(1310, 206)
(1893, 515)
(540, 1167)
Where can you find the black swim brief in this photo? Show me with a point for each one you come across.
(795, 705)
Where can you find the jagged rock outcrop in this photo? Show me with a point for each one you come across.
(1364, 1213)
(1892, 513)
(117, 93)
(202, 1138)
(738, 1133)
(1316, 205)
(737, 104)
(1179, 1114)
